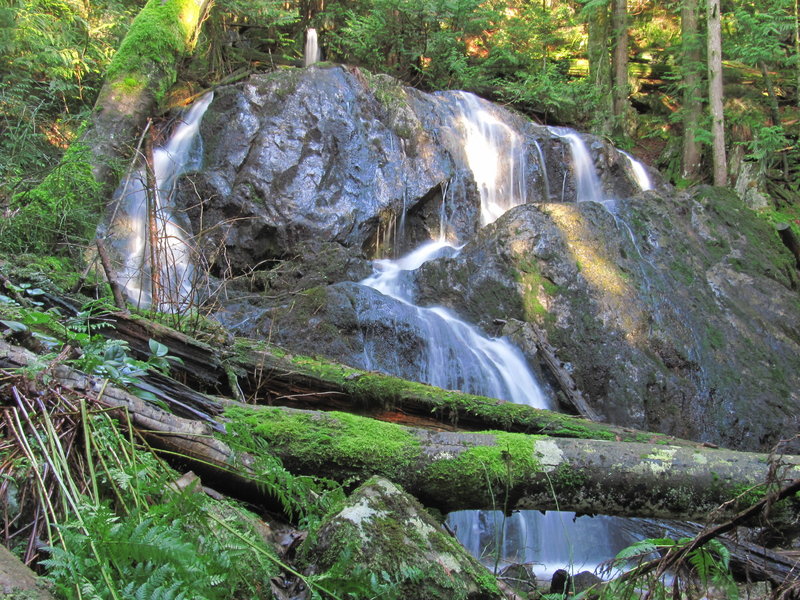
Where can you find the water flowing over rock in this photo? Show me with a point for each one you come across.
(672, 311)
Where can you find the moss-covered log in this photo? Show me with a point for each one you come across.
(492, 470)
(136, 81)
(452, 470)
(267, 375)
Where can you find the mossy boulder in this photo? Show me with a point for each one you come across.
(382, 542)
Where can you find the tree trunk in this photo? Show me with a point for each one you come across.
(450, 470)
(600, 67)
(715, 92)
(692, 103)
(619, 24)
(797, 46)
(136, 82)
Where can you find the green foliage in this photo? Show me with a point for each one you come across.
(708, 565)
(137, 536)
(266, 31)
(58, 215)
(432, 44)
(52, 57)
(98, 355)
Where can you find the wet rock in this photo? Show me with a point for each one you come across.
(674, 314)
(382, 539)
(324, 153)
(567, 585)
(520, 577)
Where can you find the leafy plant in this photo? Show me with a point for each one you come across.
(704, 566)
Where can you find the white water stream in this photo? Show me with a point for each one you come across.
(640, 174)
(311, 54)
(458, 356)
(181, 153)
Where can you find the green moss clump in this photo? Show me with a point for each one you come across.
(162, 31)
(509, 462)
(346, 444)
(60, 213)
(534, 284)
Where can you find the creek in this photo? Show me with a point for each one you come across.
(488, 219)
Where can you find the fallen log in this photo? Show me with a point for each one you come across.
(453, 471)
(265, 374)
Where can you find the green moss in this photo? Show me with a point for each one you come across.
(346, 443)
(760, 251)
(534, 286)
(683, 271)
(509, 462)
(162, 32)
(567, 477)
(715, 337)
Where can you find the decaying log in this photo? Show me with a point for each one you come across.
(453, 471)
(18, 581)
(547, 352)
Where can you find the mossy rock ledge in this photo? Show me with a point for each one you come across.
(381, 536)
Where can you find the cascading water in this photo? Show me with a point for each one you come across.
(495, 155)
(640, 174)
(458, 356)
(311, 53)
(145, 215)
(586, 180)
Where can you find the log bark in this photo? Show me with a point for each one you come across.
(453, 470)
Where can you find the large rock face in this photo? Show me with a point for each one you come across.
(671, 312)
(315, 154)
(678, 314)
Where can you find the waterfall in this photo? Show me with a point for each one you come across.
(137, 221)
(587, 182)
(312, 54)
(456, 355)
(495, 155)
(640, 174)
